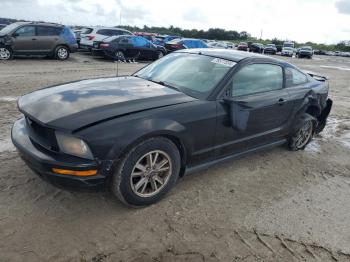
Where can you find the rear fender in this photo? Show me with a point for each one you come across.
(322, 118)
(309, 101)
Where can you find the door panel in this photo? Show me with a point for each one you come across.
(24, 40)
(260, 111)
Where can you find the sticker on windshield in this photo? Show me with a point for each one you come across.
(223, 62)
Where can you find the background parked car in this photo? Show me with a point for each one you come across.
(279, 48)
(256, 48)
(32, 38)
(128, 47)
(162, 39)
(287, 51)
(149, 36)
(270, 49)
(305, 51)
(220, 45)
(98, 34)
(243, 46)
(320, 52)
(182, 43)
(2, 26)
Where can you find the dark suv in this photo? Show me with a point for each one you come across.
(32, 38)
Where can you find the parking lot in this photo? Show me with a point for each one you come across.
(274, 205)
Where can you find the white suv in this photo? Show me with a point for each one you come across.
(98, 34)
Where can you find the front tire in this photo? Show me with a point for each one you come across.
(147, 172)
(62, 53)
(303, 134)
(5, 53)
(160, 54)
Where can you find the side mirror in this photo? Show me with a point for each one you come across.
(15, 35)
(238, 113)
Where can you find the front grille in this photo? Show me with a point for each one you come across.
(41, 135)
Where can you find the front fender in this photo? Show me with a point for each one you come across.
(109, 140)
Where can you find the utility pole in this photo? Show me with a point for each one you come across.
(120, 17)
(261, 33)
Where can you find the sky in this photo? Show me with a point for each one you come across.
(321, 21)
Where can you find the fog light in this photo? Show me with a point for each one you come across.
(74, 172)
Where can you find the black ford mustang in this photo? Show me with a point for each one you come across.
(192, 108)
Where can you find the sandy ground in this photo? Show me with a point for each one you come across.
(274, 205)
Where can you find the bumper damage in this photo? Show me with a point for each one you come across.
(43, 162)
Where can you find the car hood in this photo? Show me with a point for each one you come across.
(78, 104)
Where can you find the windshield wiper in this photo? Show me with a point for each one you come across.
(164, 84)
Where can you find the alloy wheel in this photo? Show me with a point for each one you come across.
(5, 54)
(303, 135)
(151, 173)
(62, 53)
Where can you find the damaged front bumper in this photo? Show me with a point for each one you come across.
(43, 162)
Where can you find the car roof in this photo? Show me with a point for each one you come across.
(232, 55)
(38, 23)
(105, 27)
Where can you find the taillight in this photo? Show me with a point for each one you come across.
(104, 45)
(90, 37)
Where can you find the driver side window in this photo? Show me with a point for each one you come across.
(26, 31)
(257, 78)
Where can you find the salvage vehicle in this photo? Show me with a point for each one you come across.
(36, 38)
(128, 47)
(242, 46)
(186, 111)
(184, 43)
(305, 51)
(287, 51)
(270, 49)
(99, 34)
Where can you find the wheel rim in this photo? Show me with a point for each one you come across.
(4, 53)
(160, 55)
(303, 135)
(119, 55)
(62, 53)
(151, 173)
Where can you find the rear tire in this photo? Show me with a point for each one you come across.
(147, 172)
(62, 53)
(5, 53)
(302, 136)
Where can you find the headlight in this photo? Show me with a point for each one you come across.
(73, 146)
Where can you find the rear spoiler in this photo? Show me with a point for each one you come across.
(318, 77)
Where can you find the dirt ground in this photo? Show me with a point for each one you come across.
(274, 205)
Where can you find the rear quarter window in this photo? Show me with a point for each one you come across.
(295, 77)
(111, 32)
(48, 31)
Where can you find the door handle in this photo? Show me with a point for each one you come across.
(281, 101)
(33, 38)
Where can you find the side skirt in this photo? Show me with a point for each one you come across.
(191, 170)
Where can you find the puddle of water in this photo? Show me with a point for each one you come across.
(336, 67)
(8, 98)
(334, 130)
(313, 147)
